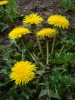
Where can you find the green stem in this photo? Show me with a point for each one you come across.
(17, 46)
(36, 59)
(53, 45)
(40, 48)
(19, 50)
(57, 92)
(70, 93)
(47, 87)
(24, 47)
(23, 43)
(47, 44)
(33, 57)
(61, 50)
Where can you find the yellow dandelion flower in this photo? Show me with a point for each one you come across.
(3, 2)
(58, 21)
(18, 32)
(32, 19)
(22, 72)
(47, 32)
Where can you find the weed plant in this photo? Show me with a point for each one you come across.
(35, 71)
(8, 14)
(68, 5)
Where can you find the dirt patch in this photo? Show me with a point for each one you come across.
(45, 8)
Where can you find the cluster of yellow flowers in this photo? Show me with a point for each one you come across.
(55, 20)
(4, 2)
(19, 31)
(24, 71)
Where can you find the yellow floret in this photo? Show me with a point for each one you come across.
(23, 72)
(18, 32)
(3, 2)
(47, 32)
(32, 19)
(58, 21)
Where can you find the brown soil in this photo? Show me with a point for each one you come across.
(44, 8)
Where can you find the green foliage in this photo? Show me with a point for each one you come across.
(64, 58)
(11, 10)
(8, 15)
(3, 24)
(68, 5)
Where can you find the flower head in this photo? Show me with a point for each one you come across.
(3, 2)
(58, 21)
(32, 19)
(18, 32)
(23, 72)
(47, 32)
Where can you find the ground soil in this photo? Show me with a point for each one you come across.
(44, 8)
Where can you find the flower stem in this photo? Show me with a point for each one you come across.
(19, 50)
(53, 45)
(47, 44)
(40, 48)
(61, 50)
(17, 46)
(23, 43)
(35, 58)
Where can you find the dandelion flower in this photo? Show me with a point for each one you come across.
(3, 2)
(32, 19)
(47, 32)
(58, 21)
(18, 32)
(23, 72)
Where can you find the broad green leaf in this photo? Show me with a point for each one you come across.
(54, 95)
(40, 72)
(42, 84)
(64, 58)
(3, 71)
(43, 92)
(25, 95)
(68, 80)
(7, 84)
